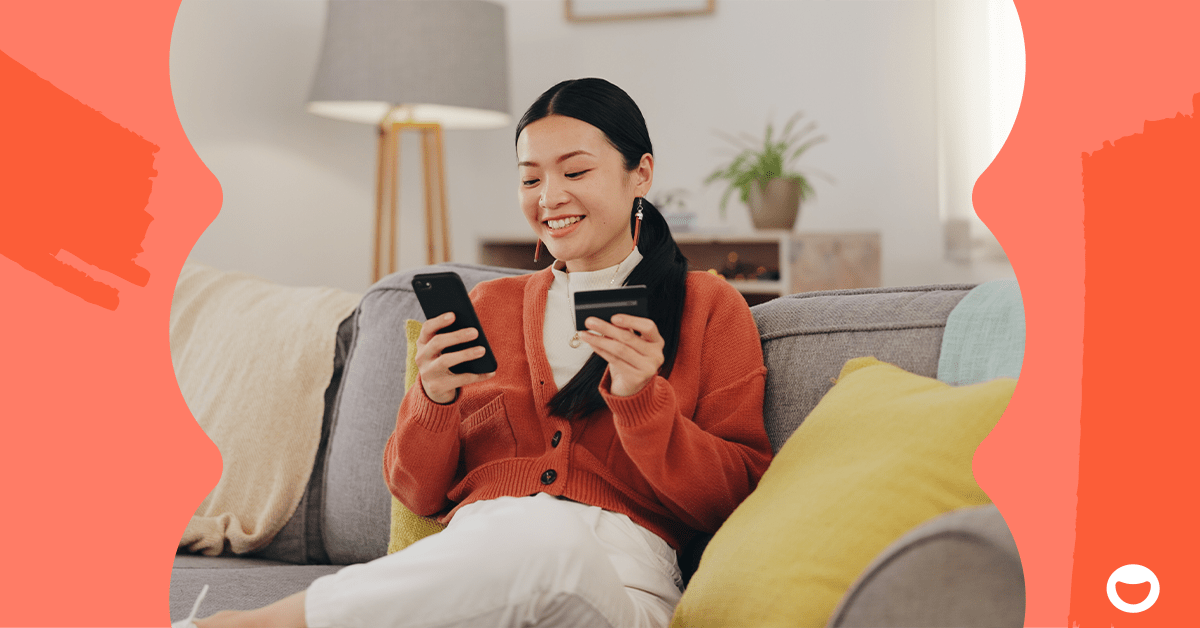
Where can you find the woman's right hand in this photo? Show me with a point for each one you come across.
(440, 384)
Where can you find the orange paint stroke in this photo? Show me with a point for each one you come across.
(102, 463)
(1141, 196)
(71, 180)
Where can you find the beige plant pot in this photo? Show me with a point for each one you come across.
(776, 204)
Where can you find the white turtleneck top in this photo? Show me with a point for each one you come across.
(564, 360)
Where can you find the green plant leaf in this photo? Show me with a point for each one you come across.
(753, 166)
(795, 137)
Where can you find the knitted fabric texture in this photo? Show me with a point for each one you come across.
(677, 457)
(406, 527)
(253, 360)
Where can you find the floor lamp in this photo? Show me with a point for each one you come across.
(387, 193)
(419, 66)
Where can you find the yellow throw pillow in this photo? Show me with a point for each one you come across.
(408, 528)
(884, 451)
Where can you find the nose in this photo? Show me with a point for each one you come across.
(553, 195)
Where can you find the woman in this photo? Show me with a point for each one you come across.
(570, 476)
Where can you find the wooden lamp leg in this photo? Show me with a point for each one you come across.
(394, 209)
(443, 207)
(387, 194)
(430, 226)
(380, 186)
(437, 224)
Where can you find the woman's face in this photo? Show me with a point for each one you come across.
(575, 192)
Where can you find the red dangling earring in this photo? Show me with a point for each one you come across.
(537, 251)
(637, 228)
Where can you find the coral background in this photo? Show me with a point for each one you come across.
(1095, 71)
(103, 465)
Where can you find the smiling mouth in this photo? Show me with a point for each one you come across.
(561, 223)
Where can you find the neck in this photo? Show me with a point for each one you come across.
(618, 270)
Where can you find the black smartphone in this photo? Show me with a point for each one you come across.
(603, 304)
(439, 293)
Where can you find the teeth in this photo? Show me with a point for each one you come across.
(563, 222)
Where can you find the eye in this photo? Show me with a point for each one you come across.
(573, 175)
(529, 182)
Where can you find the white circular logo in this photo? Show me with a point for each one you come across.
(1132, 574)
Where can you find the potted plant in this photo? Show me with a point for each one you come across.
(764, 176)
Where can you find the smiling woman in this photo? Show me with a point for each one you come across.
(576, 192)
(584, 153)
(569, 477)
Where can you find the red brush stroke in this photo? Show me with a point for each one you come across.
(1136, 463)
(1094, 71)
(100, 460)
(70, 179)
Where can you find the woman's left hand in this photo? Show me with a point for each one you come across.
(633, 358)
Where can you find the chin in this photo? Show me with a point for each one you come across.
(560, 254)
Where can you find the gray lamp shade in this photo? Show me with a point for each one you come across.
(442, 61)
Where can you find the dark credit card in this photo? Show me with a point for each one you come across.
(603, 304)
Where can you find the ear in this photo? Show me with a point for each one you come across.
(643, 175)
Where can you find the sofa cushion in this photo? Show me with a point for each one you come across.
(807, 337)
(238, 586)
(300, 540)
(883, 451)
(960, 569)
(355, 502)
(985, 335)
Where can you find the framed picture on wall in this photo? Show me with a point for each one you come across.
(600, 10)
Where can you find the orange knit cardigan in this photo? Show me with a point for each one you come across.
(676, 457)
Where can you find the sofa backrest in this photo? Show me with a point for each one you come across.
(351, 497)
(806, 338)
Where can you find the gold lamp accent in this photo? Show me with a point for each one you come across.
(419, 66)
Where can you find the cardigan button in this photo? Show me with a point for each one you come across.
(549, 476)
(557, 437)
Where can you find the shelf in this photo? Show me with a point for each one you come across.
(762, 235)
(804, 262)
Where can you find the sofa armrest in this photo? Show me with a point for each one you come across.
(959, 569)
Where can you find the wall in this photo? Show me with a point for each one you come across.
(299, 189)
(980, 58)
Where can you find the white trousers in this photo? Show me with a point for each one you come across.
(512, 561)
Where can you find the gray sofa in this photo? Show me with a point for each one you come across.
(960, 569)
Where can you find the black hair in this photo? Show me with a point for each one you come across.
(663, 269)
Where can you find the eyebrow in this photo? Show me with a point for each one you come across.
(559, 160)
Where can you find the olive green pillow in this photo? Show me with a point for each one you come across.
(408, 528)
(884, 451)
